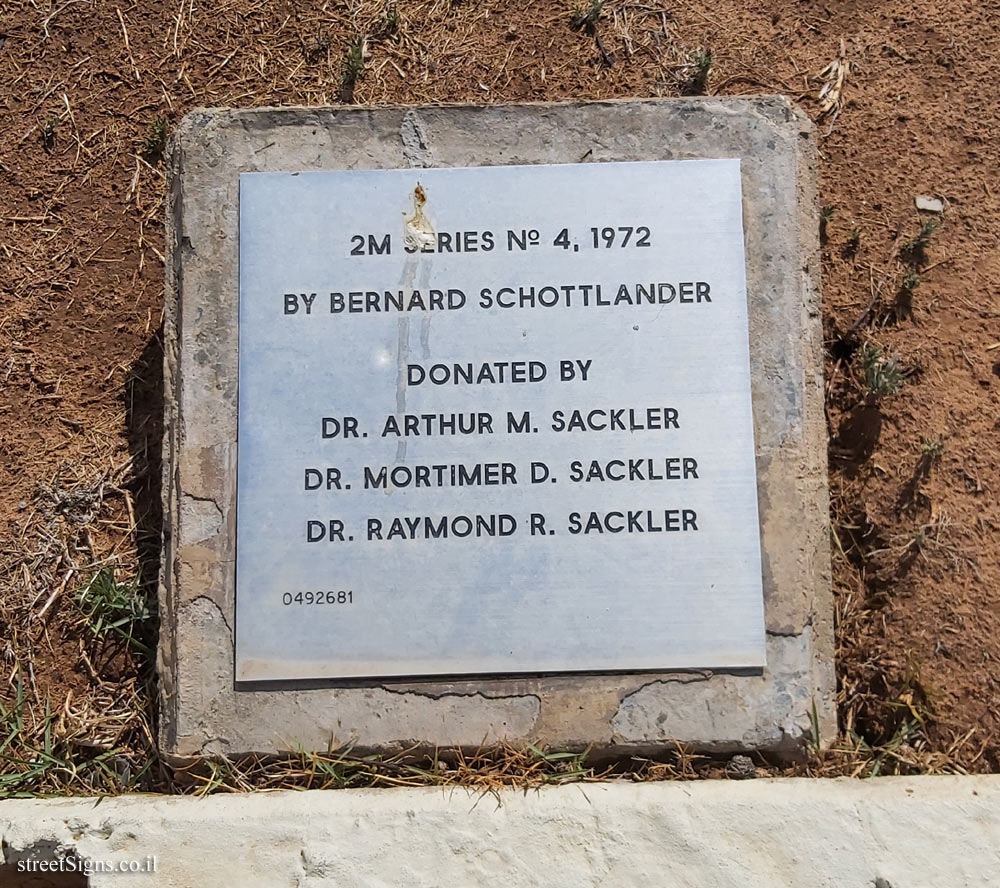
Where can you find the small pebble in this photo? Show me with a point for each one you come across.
(929, 202)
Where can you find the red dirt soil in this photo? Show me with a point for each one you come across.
(914, 476)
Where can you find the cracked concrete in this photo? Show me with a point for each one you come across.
(201, 517)
(415, 147)
(202, 709)
(724, 713)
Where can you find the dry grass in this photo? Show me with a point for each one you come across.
(76, 536)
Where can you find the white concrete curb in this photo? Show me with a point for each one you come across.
(901, 832)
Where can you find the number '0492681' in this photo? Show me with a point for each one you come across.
(333, 596)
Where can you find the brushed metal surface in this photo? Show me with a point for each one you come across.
(667, 575)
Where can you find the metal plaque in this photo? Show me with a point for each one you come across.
(495, 420)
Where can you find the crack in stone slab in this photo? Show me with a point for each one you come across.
(201, 517)
(199, 598)
(416, 148)
(430, 695)
(680, 678)
(775, 633)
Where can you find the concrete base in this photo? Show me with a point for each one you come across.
(889, 833)
(203, 713)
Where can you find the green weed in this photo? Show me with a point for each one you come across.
(882, 376)
(915, 251)
(155, 142)
(701, 66)
(350, 70)
(113, 608)
(932, 448)
(584, 18)
(49, 132)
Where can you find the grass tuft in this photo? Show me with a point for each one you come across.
(910, 282)
(46, 752)
(882, 376)
(389, 25)
(487, 770)
(826, 214)
(49, 132)
(350, 70)
(584, 18)
(113, 608)
(699, 68)
(155, 142)
(932, 448)
(915, 251)
(853, 243)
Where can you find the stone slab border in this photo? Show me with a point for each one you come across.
(778, 711)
